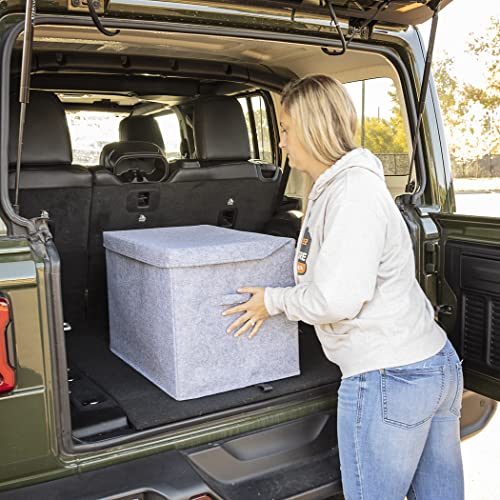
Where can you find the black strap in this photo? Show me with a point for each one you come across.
(97, 21)
(421, 101)
(284, 182)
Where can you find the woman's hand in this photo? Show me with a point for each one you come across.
(254, 312)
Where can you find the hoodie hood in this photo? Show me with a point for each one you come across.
(357, 158)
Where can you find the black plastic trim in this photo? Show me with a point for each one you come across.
(167, 476)
(107, 65)
(477, 412)
(62, 412)
(244, 457)
(285, 461)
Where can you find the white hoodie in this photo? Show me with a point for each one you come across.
(355, 273)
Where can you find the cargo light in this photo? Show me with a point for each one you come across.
(201, 497)
(7, 373)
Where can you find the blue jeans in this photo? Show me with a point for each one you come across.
(398, 431)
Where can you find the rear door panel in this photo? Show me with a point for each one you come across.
(470, 284)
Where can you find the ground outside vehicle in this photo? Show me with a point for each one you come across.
(75, 422)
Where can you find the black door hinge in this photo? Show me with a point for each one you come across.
(359, 27)
(431, 257)
(43, 231)
(444, 310)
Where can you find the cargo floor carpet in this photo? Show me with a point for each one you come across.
(146, 406)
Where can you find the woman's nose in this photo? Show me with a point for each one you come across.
(282, 143)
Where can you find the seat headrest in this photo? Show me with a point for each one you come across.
(220, 131)
(135, 161)
(46, 139)
(141, 128)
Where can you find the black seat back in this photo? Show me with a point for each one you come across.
(222, 186)
(49, 182)
(127, 194)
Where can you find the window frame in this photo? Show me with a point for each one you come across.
(271, 120)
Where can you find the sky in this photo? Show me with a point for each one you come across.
(456, 23)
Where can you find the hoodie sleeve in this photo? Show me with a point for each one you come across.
(345, 272)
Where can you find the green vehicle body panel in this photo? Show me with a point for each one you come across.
(27, 430)
(32, 447)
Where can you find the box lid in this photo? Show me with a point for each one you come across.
(189, 246)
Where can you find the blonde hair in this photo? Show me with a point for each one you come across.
(324, 115)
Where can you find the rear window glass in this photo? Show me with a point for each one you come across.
(171, 133)
(381, 128)
(90, 131)
(259, 134)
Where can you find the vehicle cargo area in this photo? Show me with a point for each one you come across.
(152, 169)
(225, 173)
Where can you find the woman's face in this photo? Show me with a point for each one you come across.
(298, 157)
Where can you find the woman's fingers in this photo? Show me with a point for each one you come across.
(252, 309)
(250, 304)
(238, 322)
(256, 328)
(248, 324)
(234, 310)
(249, 289)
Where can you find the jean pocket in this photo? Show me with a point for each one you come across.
(411, 397)
(456, 405)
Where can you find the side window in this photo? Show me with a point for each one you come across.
(478, 192)
(171, 133)
(259, 132)
(470, 108)
(381, 128)
(90, 131)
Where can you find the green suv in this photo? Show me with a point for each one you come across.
(151, 113)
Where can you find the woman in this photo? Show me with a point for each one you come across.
(400, 395)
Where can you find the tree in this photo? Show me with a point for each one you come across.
(386, 136)
(488, 98)
(471, 114)
(382, 136)
(453, 108)
(489, 45)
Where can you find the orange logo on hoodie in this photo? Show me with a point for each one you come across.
(305, 246)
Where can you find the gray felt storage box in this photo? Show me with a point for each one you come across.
(167, 289)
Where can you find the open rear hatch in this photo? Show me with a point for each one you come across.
(396, 12)
(100, 381)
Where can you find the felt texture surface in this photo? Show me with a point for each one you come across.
(192, 246)
(179, 204)
(147, 406)
(69, 211)
(167, 322)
